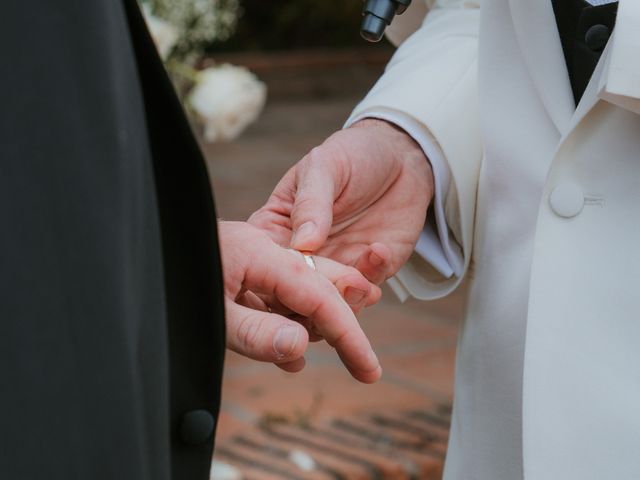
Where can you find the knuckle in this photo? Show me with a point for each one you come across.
(340, 339)
(349, 270)
(315, 155)
(299, 268)
(304, 202)
(318, 160)
(257, 218)
(248, 333)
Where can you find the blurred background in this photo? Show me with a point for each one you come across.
(295, 24)
(264, 82)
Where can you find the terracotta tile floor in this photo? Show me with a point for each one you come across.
(320, 423)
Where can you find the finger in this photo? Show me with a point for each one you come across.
(275, 271)
(273, 218)
(293, 366)
(276, 224)
(275, 306)
(312, 212)
(314, 335)
(375, 263)
(352, 285)
(264, 336)
(374, 296)
(252, 301)
(271, 304)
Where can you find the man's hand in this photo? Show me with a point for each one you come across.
(263, 282)
(360, 198)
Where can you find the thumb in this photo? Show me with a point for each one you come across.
(312, 212)
(263, 335)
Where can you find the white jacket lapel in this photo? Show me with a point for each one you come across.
(535, 27)
(591, 94)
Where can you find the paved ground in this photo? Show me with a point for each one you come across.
(320, 423)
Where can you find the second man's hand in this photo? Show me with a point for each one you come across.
(360, 198)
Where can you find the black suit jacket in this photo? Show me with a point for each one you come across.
(111, 312)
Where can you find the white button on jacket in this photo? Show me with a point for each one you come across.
(567, 199)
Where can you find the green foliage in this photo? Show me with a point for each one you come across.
(199, 22)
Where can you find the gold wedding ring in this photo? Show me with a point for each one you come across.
(309, 260)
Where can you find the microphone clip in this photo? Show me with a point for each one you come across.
(378, 14)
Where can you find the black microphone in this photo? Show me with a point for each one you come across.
(377, 15)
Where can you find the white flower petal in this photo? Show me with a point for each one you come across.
(227, 99)
(163, 33)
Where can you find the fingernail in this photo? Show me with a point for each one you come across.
(354, 296)
(373, 360)
(375, 259)
(306, 230)
(285, 340)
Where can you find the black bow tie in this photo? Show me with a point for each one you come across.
(584, 31)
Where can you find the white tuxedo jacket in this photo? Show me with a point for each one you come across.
(544, 202)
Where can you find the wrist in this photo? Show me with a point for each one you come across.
(403, 144)
(393, 134)
(382, 126)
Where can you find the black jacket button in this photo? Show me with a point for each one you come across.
(197, 427)
(596, 37)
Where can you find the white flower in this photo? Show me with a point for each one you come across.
(227, 99)
(164, 35)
